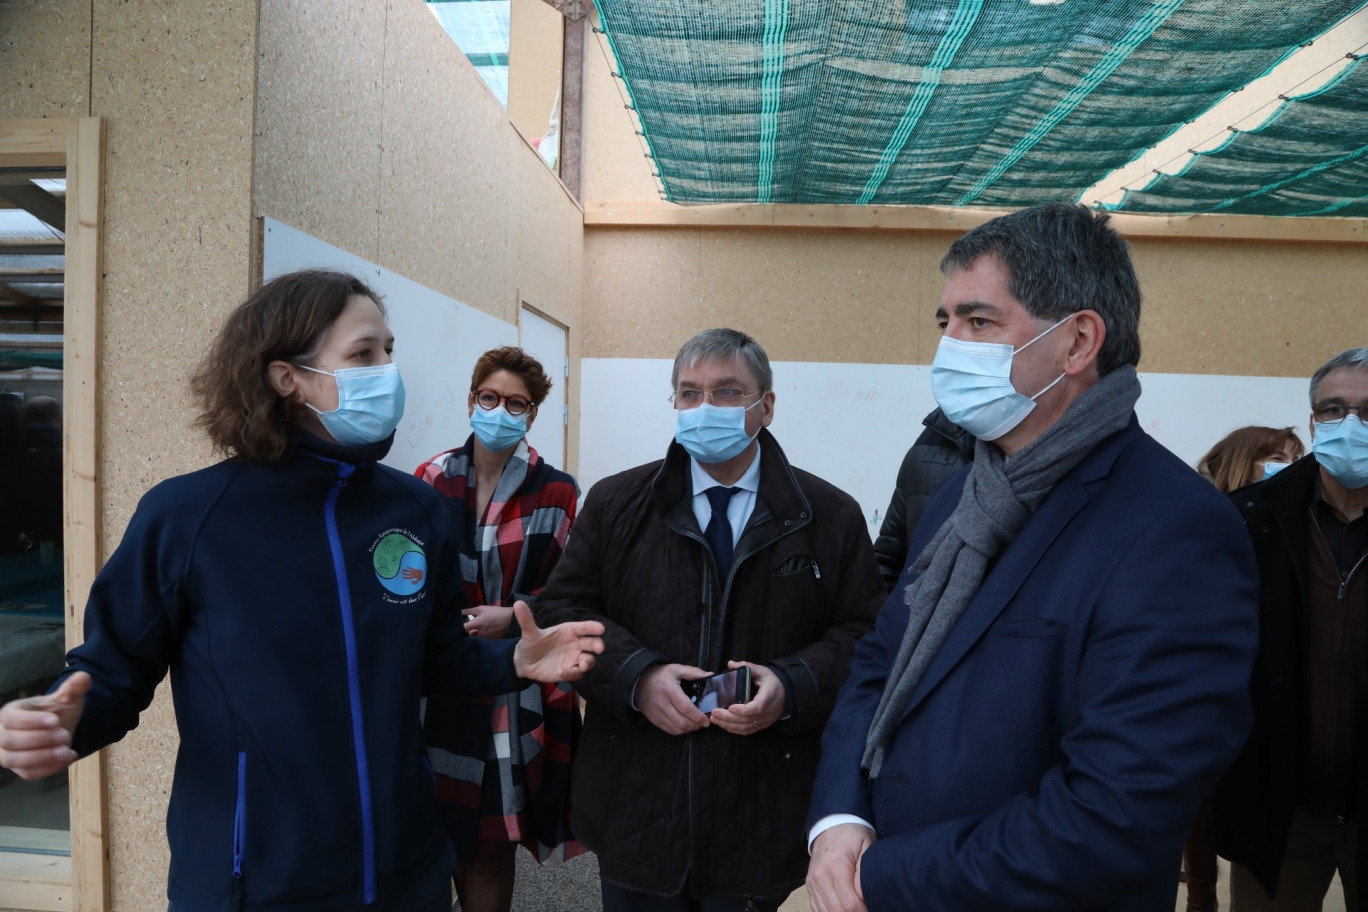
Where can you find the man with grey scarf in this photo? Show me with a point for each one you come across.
(1060, 677)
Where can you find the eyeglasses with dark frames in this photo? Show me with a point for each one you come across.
(1333, 412)
(489, 400)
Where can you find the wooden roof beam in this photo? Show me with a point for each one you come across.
(11, 297)
(32, 247)
(33, 276)
(37, 202)
(646, 214)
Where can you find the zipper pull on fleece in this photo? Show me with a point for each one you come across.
(345, 470)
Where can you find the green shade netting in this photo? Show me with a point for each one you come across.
(962, 102)
(19, 360)
(1309, 158)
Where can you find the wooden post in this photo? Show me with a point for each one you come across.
(81, 468)
(572, 108)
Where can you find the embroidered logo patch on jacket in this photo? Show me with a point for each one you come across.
(400, 563)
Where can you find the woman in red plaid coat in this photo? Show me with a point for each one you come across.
(503, 764)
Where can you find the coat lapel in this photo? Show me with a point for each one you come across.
(1020, 559)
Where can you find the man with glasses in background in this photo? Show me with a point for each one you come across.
(1287, 813)
(720, 558)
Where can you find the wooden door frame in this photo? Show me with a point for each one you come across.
(43, 882)
(562, 371)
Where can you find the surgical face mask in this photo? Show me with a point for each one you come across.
(712, 434)
(972, 383)
(497, 429)
(1341, 447)
(1272, 468)
(370, 402)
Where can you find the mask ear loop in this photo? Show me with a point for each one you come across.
(319, 411)
(1052, 385)
(1041, 336)
(1056, 380)
(748, 408)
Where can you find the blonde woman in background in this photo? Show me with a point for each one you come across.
(1249, 454)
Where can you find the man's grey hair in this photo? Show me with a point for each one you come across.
(724, 345)
(1353, 359)
(1063, 258)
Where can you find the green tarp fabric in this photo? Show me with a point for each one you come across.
(1309, 158)
(18, 360)
(959, 103)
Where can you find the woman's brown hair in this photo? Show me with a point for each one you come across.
(1230, 463)
(516, 361)
(285, 320)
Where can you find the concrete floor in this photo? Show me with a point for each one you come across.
(573, 887)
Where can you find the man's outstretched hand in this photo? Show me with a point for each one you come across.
(560, 653)
(35, 733)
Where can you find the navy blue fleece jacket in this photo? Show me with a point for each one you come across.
(302, 608)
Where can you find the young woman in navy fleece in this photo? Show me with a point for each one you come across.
(303, 598)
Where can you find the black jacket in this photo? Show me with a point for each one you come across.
(720, 812)
(940, 450)
(1254, 802)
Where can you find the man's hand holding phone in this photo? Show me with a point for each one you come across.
(661, 698)
(766, 706)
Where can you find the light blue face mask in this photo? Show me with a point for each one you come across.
(1272, 468)
(1341, 448)
(370, 402)
(712, 434)
(972, 383)
(496, 429)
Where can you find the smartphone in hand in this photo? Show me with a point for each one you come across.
(722, 690)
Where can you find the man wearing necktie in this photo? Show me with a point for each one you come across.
(720, 555)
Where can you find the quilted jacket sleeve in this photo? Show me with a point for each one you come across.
(575, 592)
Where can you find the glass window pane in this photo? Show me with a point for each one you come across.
(34, 816)
(481, 29)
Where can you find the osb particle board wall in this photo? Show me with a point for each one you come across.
(44, 58)
(1211, 307)
(1249, 307)
(375, 134)
(175, 85)
(537, 39)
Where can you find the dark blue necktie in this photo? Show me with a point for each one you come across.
(719, 531)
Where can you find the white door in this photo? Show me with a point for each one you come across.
(546, 341)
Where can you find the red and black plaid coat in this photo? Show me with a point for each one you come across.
(503, 764)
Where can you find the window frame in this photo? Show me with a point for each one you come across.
(79, 883)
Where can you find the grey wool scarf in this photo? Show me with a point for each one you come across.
(999, 497)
